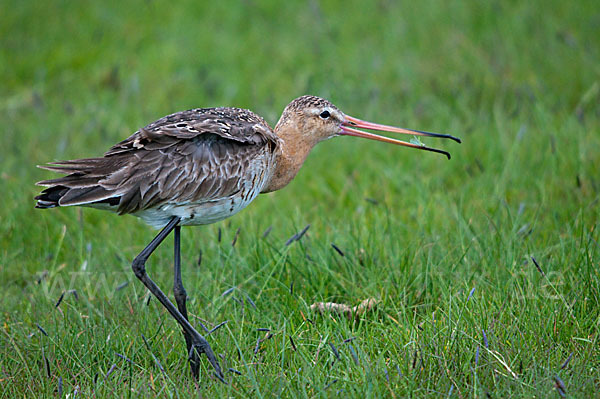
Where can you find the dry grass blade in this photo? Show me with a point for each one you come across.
(501, 360)
(342, 309)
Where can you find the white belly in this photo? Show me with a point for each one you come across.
(195, 213)
(204, 212)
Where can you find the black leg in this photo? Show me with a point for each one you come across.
(180, 299)
(199, 343)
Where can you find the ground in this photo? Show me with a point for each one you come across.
(486, 267)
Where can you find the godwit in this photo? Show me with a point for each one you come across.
(198, 167)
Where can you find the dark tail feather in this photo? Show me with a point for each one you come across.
(82, 185)
(85, 196)
(55, 196)
(49, 197)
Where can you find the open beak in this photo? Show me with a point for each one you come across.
(348, 127)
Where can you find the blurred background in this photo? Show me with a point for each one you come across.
(514, 80)
(519, 82)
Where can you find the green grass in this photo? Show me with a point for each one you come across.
(447, 246)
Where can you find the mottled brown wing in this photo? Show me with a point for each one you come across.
(204, 168)
(192, 156)
(236, 124)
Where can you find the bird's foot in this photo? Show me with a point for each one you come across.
(194, 359)
(199, 346)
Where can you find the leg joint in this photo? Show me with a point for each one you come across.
(179, 291)
(139, 267)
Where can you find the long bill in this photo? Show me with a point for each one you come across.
(348, 128)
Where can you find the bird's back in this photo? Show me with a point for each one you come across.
(202, 165)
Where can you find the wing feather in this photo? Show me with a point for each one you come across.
(194, 156)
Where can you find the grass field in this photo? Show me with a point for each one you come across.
(447, 247)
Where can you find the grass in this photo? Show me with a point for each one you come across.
(447, 247)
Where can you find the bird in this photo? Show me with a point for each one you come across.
(198, 167)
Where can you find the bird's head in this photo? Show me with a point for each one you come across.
(318, 119)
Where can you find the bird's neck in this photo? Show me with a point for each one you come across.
(292, 152)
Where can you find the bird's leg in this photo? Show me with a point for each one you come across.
(199, 343)
(180, 299)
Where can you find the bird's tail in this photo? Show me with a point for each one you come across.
(81, 185)
(50, 197)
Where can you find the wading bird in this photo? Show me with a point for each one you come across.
(198, 167)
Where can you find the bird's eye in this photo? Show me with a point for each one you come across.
(325, 114)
